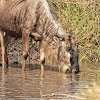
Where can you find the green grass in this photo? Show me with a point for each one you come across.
(83, 17)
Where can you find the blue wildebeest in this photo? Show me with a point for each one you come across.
(21, 18)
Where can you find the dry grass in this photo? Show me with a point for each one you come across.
(83, 17)
(93, 93)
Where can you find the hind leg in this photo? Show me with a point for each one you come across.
(4, 40)
(2, 48)
(25, 36)
(7, 39)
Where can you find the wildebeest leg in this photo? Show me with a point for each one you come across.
(42, 60)
(2, 48)
(25, 36)
(7, 39)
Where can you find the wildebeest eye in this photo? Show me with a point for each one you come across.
(68, 48)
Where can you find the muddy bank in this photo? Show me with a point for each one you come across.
(15, 51)
(15, 55)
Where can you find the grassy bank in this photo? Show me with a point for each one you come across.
(83, 17)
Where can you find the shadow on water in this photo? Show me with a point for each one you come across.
(53, 85)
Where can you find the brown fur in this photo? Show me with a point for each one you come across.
(51, 53)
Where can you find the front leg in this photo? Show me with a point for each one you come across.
(25, 36)
(42, 60)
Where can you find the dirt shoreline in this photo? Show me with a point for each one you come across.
(15, 52)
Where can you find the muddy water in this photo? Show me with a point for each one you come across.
(30, 85)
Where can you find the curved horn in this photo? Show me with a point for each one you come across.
(62, 37)
(70, 32)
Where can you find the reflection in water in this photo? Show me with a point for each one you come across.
(32, 85)
(2, 81)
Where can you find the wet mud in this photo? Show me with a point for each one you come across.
(15, 52)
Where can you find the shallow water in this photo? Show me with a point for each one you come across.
(31, 85)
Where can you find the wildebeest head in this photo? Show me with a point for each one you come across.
(63, 45)
(64, 55)
(68, 50)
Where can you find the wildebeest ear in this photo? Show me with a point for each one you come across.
(56, 39)
(36, 36)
